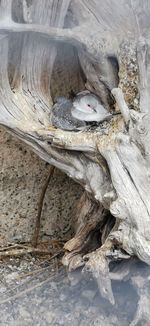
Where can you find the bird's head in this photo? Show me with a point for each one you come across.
(88, 104)
(88, 107)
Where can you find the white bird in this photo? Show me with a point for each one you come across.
(78, 113)
(88, 107)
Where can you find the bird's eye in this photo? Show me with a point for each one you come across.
(89, 105)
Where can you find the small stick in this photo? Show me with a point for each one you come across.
(40, 206)
(22, 252)
(2, 249)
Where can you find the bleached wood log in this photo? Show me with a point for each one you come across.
(112, 162)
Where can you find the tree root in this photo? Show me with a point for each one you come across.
(40, 206)
(86, 249)
(98, 265)
(90, 219)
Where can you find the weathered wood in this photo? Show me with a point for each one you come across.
(110, 162)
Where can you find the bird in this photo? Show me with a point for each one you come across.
(61, 116)
(88, 107)
(78, 112)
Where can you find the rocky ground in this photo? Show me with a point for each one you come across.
(37, 291)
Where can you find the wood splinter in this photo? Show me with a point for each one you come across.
(118, 95)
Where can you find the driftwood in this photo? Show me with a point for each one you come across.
(111, 162)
